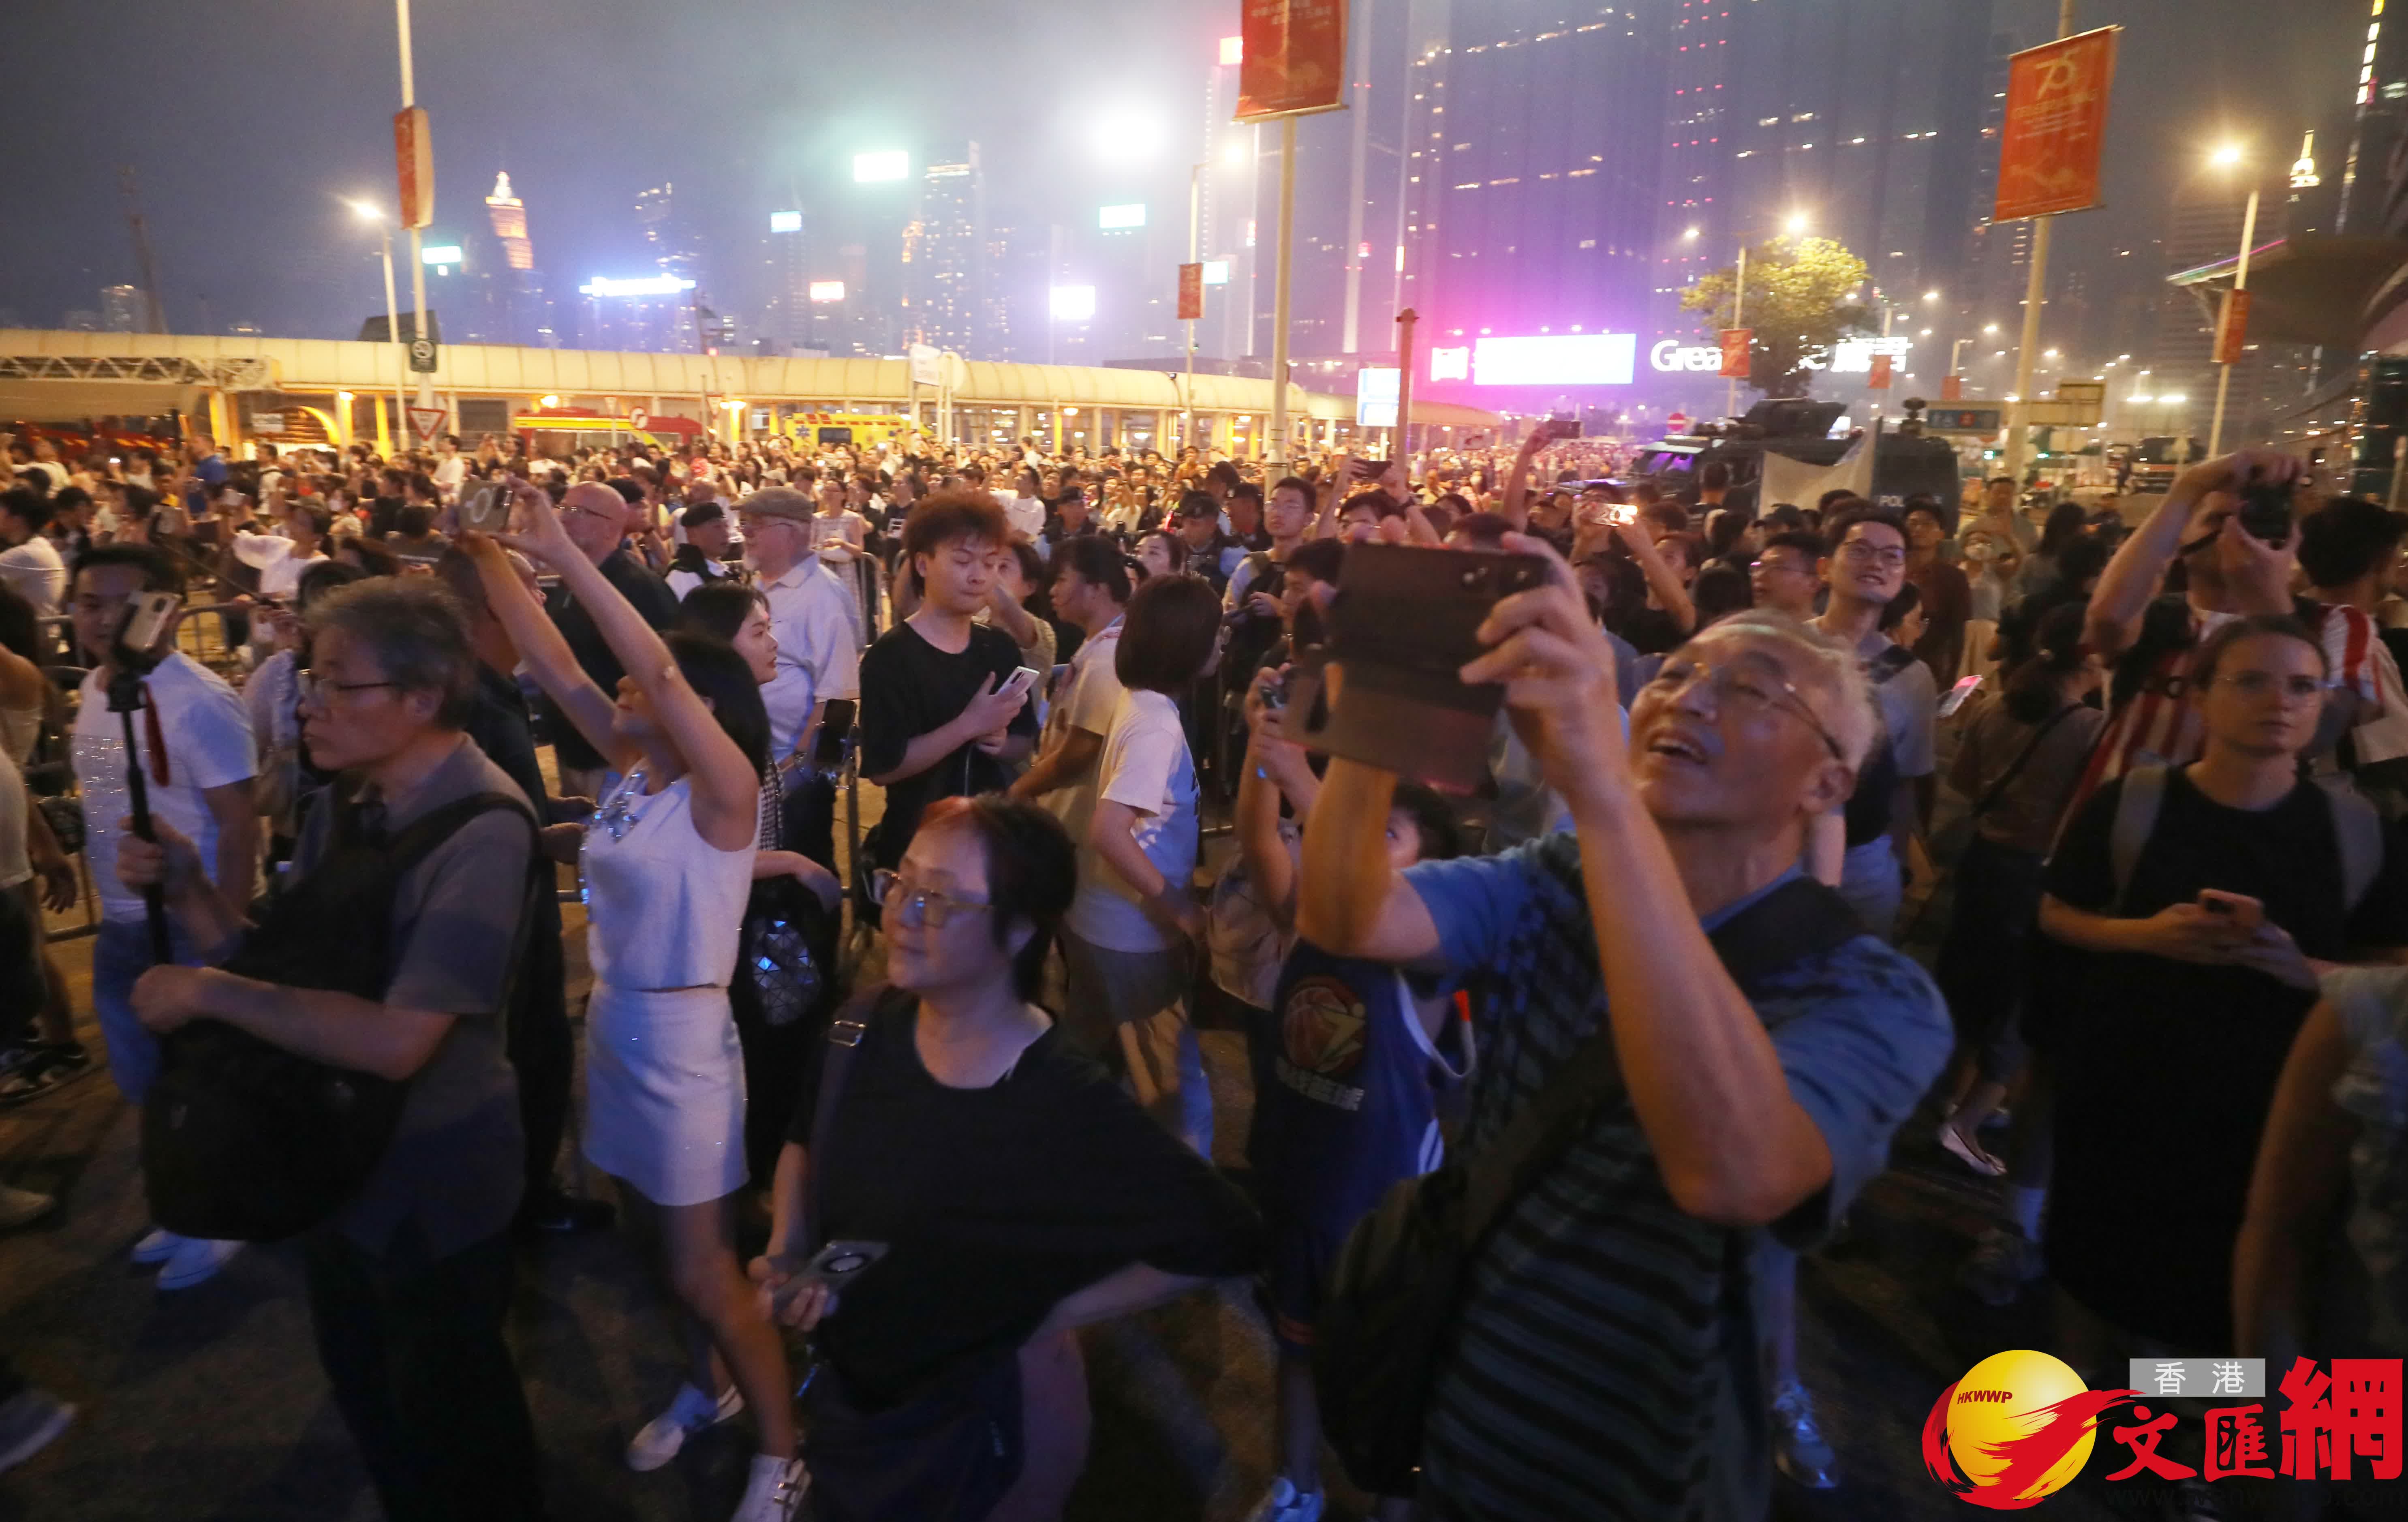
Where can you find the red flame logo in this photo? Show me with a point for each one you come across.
(2027, 1458)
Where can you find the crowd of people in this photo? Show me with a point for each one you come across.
(1650, 970)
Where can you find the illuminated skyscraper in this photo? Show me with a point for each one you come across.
(944, 257)
(518, 310)
(120, 308)
(789, 273)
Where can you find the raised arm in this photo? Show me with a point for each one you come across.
(2302, 1176)
(2139, 566)
(546, 654)
(1350, 902)
(1274, 765)
(1670, 594)
(1514, 508)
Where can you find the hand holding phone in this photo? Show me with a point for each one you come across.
(2242, 913)
(1021, 680)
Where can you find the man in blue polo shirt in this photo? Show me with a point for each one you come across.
(1606, 1363)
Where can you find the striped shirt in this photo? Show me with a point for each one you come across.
(2157, 722)
(1607, 1361)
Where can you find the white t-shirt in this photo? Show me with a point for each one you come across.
(35, 572)
(449, 473)
(1027, 516)
(819, 649)
(279, 569)
(1145, 765)
(207, 742)
(1089, 695)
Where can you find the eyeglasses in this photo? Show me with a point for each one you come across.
(2259, 684)
(1858, 550)
(1750, 690)
(315, 688)
(917, 905)
(1784, 563)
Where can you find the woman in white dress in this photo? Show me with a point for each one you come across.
(667, 863)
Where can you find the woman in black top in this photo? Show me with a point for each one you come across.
(2172, 1012)
(1019, 1194)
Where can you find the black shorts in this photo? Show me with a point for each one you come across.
(22, 987)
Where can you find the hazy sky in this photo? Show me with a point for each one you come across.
(248, 121)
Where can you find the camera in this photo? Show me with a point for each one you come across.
(2265, 512)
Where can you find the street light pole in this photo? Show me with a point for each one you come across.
(1195, 215)
(393, 331)
(1279, 293)
(2240, 284)
(417, 254)
(2035, 292)
(1739, 294)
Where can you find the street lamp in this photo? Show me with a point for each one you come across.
(2225, 157)
(369, 211)
(1796, 224)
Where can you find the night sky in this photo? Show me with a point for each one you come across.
(250, 121)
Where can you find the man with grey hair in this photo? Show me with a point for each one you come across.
(596, 517)
(423, 850)
(1741, 1049)
(819, 636)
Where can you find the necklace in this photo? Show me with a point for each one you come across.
(616, 814)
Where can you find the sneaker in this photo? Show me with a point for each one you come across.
(1286, 1503)
(692, 1412)
(21, 1206)
(1798, 1450)
(30, 1420)
(2003, 1261)
(158, 1246)
(44, 1070)
(1968, 1152)
(774, 1492)
(195, 1260)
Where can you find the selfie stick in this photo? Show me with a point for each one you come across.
(125, 699)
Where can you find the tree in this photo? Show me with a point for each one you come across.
(1799, 298)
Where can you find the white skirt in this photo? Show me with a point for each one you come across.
(665, 1093)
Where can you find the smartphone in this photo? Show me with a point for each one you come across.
(1021, 680)
(2238, 910)
(145, 622)
(2265, 512)
(841, 1262)
(1404, 623)
(1560, 428)
(488, 507)
(1367, 469)
(1957, 696)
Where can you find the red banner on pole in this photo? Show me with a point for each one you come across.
(1736, 341)
(2056, 125)
(1951, 388)
(413, 153)
(1878, 380)
(2232, 328)
(1292, 57)
(1191, 293)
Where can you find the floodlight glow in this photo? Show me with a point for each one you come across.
(1216, 272)
(786, 221)
(1233, 51)
(1112, 217)
(886, 163)
(1074, 303)
(646, 285)
(1128, 136)
(1233, 153)
(448, 253)
(1575, 359)
(827, 291)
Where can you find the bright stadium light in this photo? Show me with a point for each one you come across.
(1073, 303)
(447, 253)
(884, 165)
(1125, 134)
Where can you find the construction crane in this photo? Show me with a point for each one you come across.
(142, 250)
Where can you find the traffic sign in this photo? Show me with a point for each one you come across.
(1962, 419)
(639, 418)
(1677, 422)
(427, 421)
(422, 355)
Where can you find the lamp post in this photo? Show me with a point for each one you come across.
(417, 254)
(2226, 157)
(368, 212)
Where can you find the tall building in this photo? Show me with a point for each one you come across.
(790, 278)
(121, 309)
(2374, 201)
(944, 257)
(669, 237)
(520, 311)
(2203, 228)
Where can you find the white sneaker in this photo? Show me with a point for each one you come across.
(195, 1260)
(158, 1246)
(1286, 1503)
(692, 1412)
(19, 1206)
(775, 1490)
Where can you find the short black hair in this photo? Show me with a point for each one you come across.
(1248, 490)
(1193, 504)
(1294, 483)
(1320, 559)
(1838, 524)
(701, 513)
(1809, 545)
(1719, 592)
(1434, 820)
(1893, 612)
(2346, 538)
(413, 520)
(1168, 635)
(1096, 563)
(160, 573)
(23, 502)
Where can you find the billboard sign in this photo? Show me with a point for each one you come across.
(1191, 293)
(1112, 219)
(1563, 359)
(786, 221)
(643, 285)
(413, 153)
(2055, 125)
(1292, 58)
(1375, 397)
(823, 292)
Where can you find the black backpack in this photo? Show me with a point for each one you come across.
(244, 1141)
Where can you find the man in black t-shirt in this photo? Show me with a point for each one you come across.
(938, 719)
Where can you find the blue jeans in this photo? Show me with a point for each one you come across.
(121, 954)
